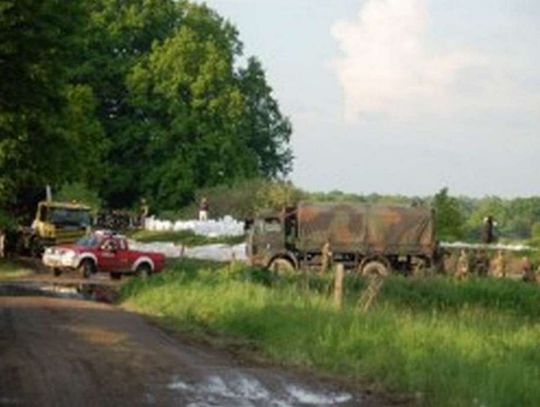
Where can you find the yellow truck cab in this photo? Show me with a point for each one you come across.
(55, 223)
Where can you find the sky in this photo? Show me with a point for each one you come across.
(403, 96)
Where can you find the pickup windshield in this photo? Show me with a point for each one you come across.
(88, 241)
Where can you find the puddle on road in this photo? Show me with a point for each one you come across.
(88, 292)
(246, 391)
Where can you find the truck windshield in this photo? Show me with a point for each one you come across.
(69, 217)
(272, 225)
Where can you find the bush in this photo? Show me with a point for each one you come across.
(80, 193)
(241, 200)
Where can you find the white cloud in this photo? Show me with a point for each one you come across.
(390, 67)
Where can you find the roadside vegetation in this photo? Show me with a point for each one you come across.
(10, 270)
(443, 342)
(185, 237)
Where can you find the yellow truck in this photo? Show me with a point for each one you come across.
(54, 223)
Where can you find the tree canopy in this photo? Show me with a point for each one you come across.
(136, 98)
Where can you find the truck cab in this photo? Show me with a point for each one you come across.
(55, 223)
(270, 235)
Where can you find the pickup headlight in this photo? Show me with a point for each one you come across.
(68, 257)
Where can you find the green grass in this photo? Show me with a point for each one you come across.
(456, 344)
(10, 270)
(186, 237)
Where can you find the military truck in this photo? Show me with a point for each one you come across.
(54, 223)
(370, 239)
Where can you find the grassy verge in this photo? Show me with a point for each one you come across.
(186, 237)
(476, 342)
(10, 270)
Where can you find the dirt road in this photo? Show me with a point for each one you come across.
(67, 352)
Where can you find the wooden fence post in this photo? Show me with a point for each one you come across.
(232, 263)
(338, 285)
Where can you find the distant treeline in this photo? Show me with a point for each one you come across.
(458, 218)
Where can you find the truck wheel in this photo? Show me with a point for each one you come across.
(143, 271)
(56, 271)
(281, 266)
(87, 268)
(375, 268)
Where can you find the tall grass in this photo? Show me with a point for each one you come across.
(453, 344)
(10, 270)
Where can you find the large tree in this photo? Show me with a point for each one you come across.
(47, 125)
(178, 112)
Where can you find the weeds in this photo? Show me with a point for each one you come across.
(10, 270)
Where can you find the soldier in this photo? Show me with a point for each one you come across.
(144, 211)
(481, 264)
(498, 265)
(203, 210)
(326, 254)
(487, 230)
(462, 266)
(528, 274)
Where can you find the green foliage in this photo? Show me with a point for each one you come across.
(38, 123)
(177, 107)
(134, 98)
(6, 221)
(80, 193)
(448, 216)
(456, 344)
(241, 200)
(535, 234)
(11, 270)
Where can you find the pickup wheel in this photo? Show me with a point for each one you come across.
(143, 271)
(87, 268)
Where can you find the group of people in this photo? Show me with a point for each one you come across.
(480, 264)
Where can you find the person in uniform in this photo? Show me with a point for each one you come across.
(462, 266)
(498, 265)
(488, 235)
(203, 210)
(144, 211)
(528, 274)
(481, 264)
(326, 256)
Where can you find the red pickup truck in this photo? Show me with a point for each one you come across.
(102, 251)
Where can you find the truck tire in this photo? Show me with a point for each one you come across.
(281, 266)
(143, 271)
(56, 272)
(375, 267)
(87, 268)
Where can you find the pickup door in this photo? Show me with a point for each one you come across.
(113, 255)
